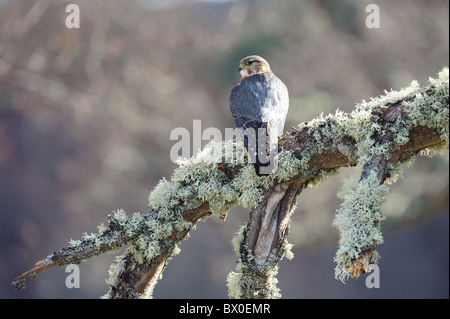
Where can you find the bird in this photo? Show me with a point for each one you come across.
(259, 104)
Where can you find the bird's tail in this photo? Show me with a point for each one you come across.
(263, 169)
(261, 158)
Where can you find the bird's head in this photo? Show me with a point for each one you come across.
(253, 64)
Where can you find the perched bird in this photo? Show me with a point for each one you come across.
(259, 104)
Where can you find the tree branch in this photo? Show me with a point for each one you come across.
(377, 137)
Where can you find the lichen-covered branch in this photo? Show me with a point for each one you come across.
(378, 137)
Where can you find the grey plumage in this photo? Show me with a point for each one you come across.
(259, 101)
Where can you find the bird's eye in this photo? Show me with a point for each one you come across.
(249, 62)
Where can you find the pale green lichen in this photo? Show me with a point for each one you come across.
(101, 229)
(119, 216)
(287, 252)
(144, 249)
(195, 181)
(88, 237)
(288, 165)
(150, 236)
(115, 270)
(250, 284)
(429, 110)
(234, 283)
(198, 180)
(433, 111)
(359, 218)
(74, 243)
(358, 221)
(236, 241)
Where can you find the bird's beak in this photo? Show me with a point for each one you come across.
(241, 67)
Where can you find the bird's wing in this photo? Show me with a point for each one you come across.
(261, 101)
(245, 105)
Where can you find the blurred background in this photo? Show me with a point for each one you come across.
(86, 115)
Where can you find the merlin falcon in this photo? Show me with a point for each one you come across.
(259, 104)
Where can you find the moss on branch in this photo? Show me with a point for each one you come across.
(377, 137)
